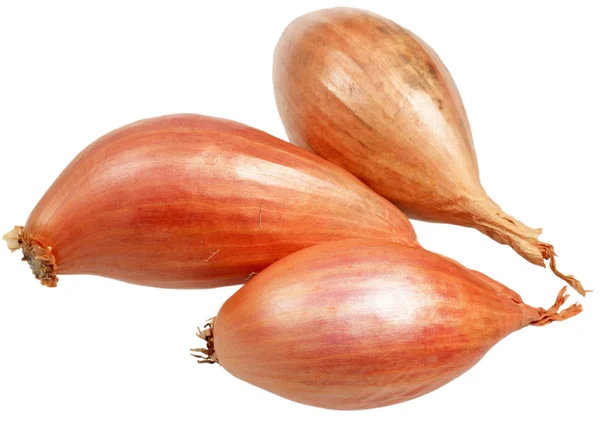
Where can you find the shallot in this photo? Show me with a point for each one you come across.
(358, 323)
(374, 98)
(189, 201)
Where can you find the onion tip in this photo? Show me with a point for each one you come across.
(553, 314)
(548, 253)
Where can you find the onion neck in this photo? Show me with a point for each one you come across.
(490, 219)
(40, 257)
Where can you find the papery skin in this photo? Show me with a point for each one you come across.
(190, 201)
(372, 97)
(357, 324)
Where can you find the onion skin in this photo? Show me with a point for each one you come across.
(357, 324)
(372, 97)
(189, 201)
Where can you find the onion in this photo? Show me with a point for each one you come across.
(358, 324)
(372, 97)
(188, 201)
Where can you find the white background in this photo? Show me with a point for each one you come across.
(96, 349)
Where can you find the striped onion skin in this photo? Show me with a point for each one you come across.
(190, 201)
(357, 324)
(375, 99)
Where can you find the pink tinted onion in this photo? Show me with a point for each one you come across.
(358, 324)
(189, 201)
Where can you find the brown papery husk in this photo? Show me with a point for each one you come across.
(314, 326)
(192, 201)
(374, 98)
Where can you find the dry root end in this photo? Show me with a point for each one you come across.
(548, 253)
(13, 239)
(40, 257)
(206, 355)
(553, 315)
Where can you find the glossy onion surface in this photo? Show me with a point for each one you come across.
(189, 201)
(357, 324)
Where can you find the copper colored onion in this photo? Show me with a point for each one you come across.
(188, 201)
(372, 97)
(357, 324)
